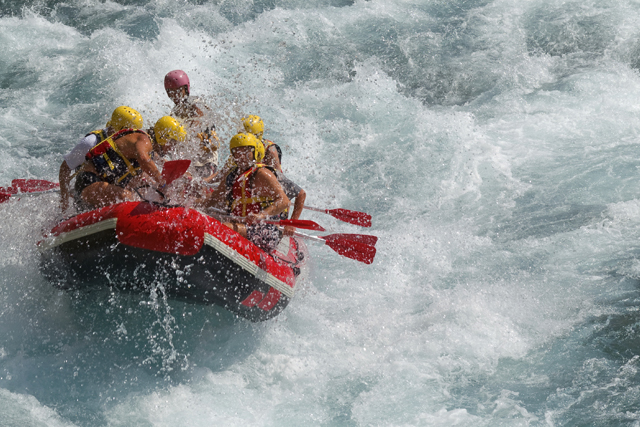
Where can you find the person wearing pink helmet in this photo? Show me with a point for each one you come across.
(196, 115)
(178, 87)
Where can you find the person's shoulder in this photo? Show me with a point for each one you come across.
(142, 135)
(267, 168)
(136, 135)
(266, 172)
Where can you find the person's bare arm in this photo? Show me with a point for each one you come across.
(217, 199)
(273, 159)
(64, 177)
(143, 154)
(298, 205)
(266, 185)
(226, 169)
(194, 114)
(210, 178)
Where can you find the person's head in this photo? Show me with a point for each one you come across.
(167, 132)
(253, 124)
(177, 85)
(125, 117)
(246, 150)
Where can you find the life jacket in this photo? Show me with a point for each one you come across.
(240, 198)
(111, 165)
(232, 177)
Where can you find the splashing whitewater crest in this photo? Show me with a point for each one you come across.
(494, 142)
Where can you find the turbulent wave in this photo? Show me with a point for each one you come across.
(494, 142)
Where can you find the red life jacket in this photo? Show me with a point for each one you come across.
(242, 202)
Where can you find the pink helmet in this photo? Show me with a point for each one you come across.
(176, 79)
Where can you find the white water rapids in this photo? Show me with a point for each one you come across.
(495, 143)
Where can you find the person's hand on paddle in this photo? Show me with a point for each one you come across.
(289, 230)
(162, 185)
(253, 218)
(171, 171)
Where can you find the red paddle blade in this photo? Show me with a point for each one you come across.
(31, 185)
(351, 249)
(300, 223)
(4, 197)
(362, 238)
(174, 169)
(352, 217)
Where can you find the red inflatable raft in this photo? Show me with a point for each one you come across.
(196, 258)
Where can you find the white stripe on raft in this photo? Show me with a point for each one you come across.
(52, 242)
(250, 267)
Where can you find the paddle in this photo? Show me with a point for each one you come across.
(26, 187)
(352, 217)
(346, 246)
(362, 238)
(33, 185)
(171, 171)
(298, 223)
(30, 186)
(174, 169)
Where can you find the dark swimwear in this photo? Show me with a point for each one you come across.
(83, 180)
(264, 236)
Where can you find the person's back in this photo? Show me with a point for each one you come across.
(112, 164)
(122, 117)
(116, 158)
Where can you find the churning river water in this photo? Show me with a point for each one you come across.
(495, 143)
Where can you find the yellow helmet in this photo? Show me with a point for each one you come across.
(248, 140)
(125, 117)
(167, 128)
(254, 125)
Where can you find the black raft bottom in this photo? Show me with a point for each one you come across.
(205, 278)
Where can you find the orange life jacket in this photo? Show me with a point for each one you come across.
(241, 201)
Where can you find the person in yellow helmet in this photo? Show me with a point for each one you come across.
(122, 117)
(254, 124)
(167, 133)
(113, 164)
(250, 194)
(272, 158)
(198, 120)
